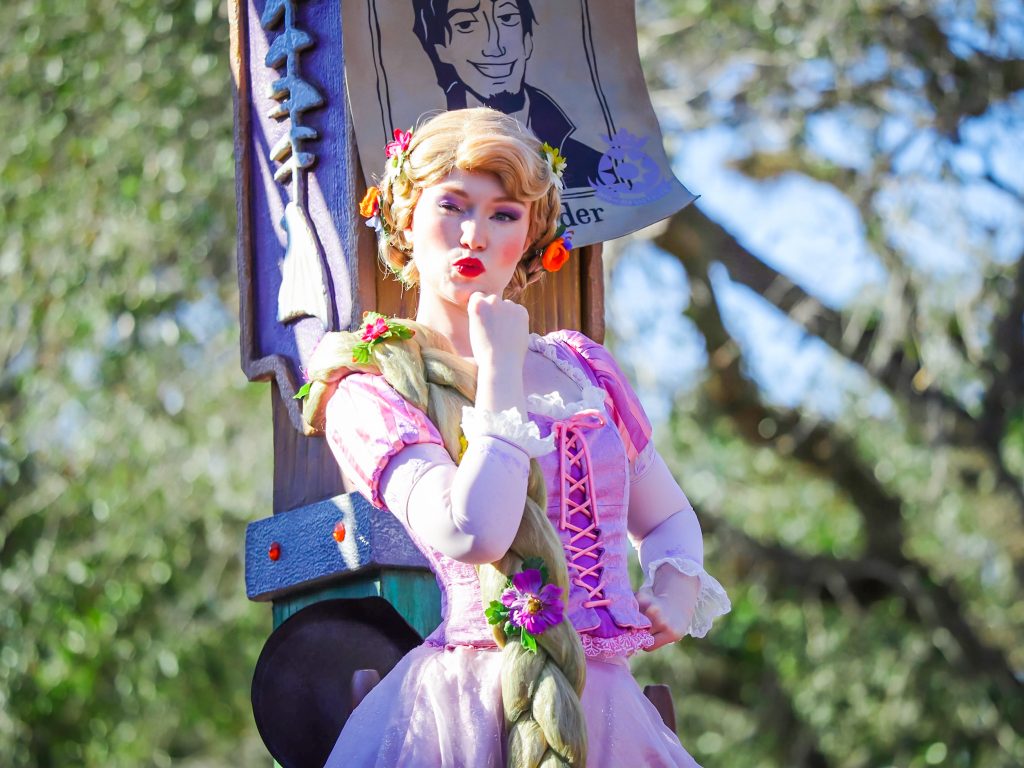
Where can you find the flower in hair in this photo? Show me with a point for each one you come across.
(369, 208)
(533, 605)
(398, 153)
(556, 163)
(370, 204)
(376, 329)
(529, 606)
(400, 144)
(557, 252)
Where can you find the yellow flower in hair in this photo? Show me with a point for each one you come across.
(556, 162)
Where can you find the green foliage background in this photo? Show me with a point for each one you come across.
(874, 562)
(132, 450)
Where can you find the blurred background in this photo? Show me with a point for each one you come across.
(830, 343)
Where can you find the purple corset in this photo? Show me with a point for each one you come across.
(588, 468)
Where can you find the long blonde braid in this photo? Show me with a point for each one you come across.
(540, 691)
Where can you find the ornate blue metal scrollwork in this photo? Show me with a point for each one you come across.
(303, 291)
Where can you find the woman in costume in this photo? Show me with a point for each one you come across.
(521, 466)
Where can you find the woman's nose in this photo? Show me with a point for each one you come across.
(474, 235)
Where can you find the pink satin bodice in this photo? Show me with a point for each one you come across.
(587, 477)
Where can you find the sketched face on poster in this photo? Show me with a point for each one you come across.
(480, 50)
(488, 47)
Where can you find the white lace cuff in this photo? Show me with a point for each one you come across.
(508, 426)
(712, 601)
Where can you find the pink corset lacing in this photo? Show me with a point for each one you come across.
(578, 513)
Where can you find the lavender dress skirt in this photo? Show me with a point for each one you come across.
(442, 707)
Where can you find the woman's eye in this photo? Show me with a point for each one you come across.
(506, 216)
(449, 206)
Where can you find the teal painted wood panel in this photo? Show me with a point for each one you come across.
(415, 596)
(413, 593)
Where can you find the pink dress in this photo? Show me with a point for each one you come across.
(441, 705)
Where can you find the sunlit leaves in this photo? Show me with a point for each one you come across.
(127, 442)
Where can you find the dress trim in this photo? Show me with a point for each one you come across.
(549, 349)
(621, 645)
(507, 425)
(553, 406)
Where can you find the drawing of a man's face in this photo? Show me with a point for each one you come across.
(487, 44)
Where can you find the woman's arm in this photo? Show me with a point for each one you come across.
(664, 528)
(471, 512)
(678, 595)
(654, 497)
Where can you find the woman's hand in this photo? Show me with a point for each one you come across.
(669, 604)
(499, 331)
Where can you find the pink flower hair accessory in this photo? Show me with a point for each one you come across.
(377, 329)
(374, 329)
(400, 144)
(397, 152)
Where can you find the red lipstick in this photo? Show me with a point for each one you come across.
(469, 267)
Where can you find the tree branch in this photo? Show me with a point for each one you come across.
(957, 87)
(690, 232)
(821, 448)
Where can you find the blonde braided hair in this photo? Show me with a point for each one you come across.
(540, 691)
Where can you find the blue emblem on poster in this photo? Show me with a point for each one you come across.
(626, 175)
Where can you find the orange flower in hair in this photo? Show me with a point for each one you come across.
(370, 205)
(555, 255)
(557, 252)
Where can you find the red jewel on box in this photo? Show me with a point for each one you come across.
(274, 553)
(339, 531)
